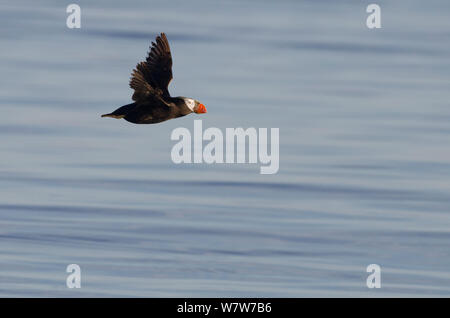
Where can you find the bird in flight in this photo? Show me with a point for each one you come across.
(150, 80)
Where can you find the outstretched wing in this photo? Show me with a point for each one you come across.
(159, 62)
(151, 78)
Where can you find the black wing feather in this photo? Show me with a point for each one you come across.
(159, 61)
(150, 79)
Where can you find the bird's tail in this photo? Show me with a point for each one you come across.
(113, 116)
(120, 112)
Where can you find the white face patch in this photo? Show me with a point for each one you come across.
(190, 103)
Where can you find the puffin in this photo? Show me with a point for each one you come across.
(150, 80)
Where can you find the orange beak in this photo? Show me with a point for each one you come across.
(201, 109)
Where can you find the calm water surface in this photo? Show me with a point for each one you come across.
(364, 175)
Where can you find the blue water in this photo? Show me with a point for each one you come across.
(364, 172)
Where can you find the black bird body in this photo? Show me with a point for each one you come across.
(150, 81)
(151, 113)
